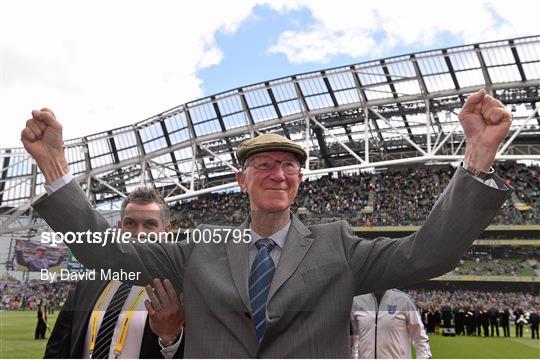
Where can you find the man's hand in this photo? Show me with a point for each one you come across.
(42, 138)
(165, 310)
(486, 123)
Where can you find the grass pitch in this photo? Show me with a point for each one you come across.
(17, 334)
(17, 341)
(480, 347)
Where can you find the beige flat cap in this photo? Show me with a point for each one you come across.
(269, 142)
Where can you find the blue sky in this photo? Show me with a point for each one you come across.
(250, 43)
(101, 64)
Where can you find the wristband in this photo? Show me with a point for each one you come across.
(475, 172)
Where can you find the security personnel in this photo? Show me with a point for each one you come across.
(504, 319)
(534, 320)
(493, 314)
(460, 321)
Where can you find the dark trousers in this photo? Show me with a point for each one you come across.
(486, 329)
(470, 329)
(506, 329)
(534, 330)
(519, 330)
(40, 330)
(493, 323)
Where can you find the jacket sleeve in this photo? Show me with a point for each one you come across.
(59, 344)
(68, 210)
(417, 332)
(21, 260)
(461, 213)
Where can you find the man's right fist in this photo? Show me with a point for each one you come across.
(42, 138)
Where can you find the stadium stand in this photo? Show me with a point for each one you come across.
(393, 197)
(26, 296)
(521, 261)
(465, 298)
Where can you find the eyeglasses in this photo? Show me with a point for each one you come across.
(289, 167)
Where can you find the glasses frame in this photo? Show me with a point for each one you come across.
(281, 162)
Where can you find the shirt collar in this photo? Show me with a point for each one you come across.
(278, 237)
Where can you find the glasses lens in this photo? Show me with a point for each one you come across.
(290, 167)
(263, 163)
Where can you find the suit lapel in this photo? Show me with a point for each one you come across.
(85, 302)
(297, 244)
(238, 258)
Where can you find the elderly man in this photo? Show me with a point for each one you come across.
(37, 262)
(286, 287)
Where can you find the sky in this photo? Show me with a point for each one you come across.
(104, 64)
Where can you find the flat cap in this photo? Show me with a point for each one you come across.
(41, 248)
(269, 142)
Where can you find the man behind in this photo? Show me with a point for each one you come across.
(97, 311)
(41, 325)
(286, 287)
(385, 324)
(534, 320)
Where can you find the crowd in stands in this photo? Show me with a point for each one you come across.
(526, 182)
(395, 197)
(497, 267)
(460, 298)
(502, 261)
(19, 296)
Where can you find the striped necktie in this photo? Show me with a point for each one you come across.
(262, 272)
(106, 329)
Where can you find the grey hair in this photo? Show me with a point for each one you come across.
(144, 195)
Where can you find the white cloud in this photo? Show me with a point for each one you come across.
(104, 64)
(353, 27)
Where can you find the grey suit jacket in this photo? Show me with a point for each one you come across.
(321, 269)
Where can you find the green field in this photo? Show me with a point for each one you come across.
(17, 334)
(17, 341)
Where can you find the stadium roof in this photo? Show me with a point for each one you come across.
(410, 103)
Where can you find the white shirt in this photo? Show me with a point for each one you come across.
(388, 329)
(132, 345)
(278, 237)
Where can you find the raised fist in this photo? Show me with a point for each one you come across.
(486, 122)
(42, 138)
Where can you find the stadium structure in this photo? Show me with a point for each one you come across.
(361, 117)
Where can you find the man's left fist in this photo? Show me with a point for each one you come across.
(486, 122)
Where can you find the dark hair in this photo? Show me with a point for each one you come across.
(144, 195)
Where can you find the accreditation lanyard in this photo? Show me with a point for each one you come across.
(123, 331)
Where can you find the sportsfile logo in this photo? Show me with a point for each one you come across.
(114, 235)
